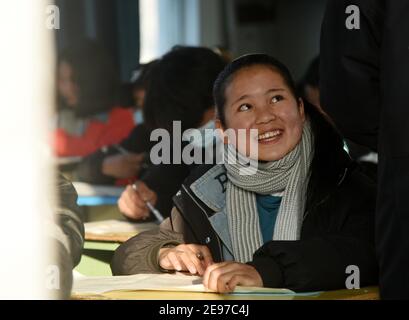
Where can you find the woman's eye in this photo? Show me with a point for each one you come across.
(276, 99)
(244, 107)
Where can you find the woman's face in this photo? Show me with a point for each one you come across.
(258, 98)
(67, 88)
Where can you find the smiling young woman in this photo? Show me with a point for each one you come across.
(258, 98)
(298, 222)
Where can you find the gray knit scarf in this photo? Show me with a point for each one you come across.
(289, 174)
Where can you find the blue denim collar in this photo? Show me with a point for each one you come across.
(211, 188)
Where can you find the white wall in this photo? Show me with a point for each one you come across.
(25, 161)
(292, 37)
(212, 23)
(166, 23)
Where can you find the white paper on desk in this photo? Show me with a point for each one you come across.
(117, 227)
(154, 282)
(90, 190)
(68, 160)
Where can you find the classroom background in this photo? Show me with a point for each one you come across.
(123, 36)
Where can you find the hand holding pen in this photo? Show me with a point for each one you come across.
(133, 202)
(123, 164)
(155, 212)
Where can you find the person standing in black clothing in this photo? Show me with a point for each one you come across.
(364, 87)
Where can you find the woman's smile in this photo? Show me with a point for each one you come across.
(270, 137)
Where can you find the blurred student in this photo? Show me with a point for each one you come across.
(296, 222)
(120, 163)
(180, 89)
(67, 236)
(88, 113)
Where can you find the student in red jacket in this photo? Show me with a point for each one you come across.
(89, 116)
(122, 162)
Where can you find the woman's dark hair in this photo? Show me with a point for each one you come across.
(180, 87)
(141, 75)
(329, 156)
(95, 75)
(139, 81)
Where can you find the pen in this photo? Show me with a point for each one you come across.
(121, 149)
(125, 152)
(155, 211)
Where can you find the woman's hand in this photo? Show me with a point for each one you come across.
(224, 277)
(133, 203)
(122, 166)
(186, 257)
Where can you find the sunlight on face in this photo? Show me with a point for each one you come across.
(258, 98)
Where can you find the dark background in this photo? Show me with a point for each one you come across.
(113, 23)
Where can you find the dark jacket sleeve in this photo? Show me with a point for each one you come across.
(364, 73)
(140, 253)
(319, 260)
(349, 70)
(90, 168)
(65, 233)
(69, 219)
(165, 180)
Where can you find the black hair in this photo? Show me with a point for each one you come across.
(329, 158)
(180, 87)
(141, 75)
(95, 74)
(139, 81)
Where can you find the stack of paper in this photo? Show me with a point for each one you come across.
(155, 282)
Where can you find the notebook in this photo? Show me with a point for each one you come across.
(156, 282)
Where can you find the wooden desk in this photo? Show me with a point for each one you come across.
(101, 243)
(369, 293)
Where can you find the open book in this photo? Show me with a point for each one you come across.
(155, 282)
